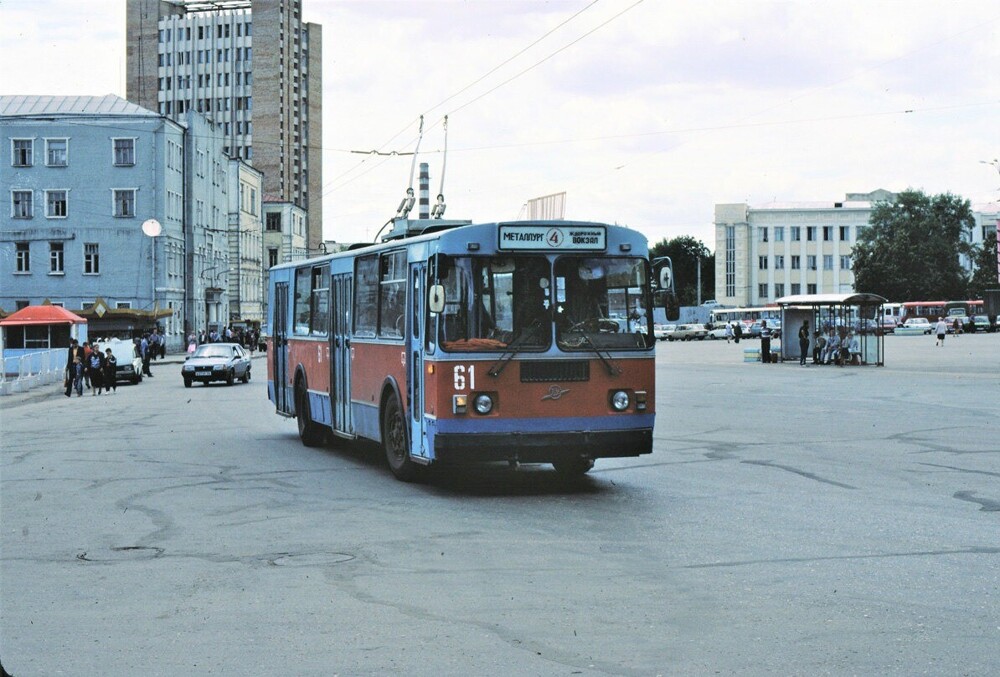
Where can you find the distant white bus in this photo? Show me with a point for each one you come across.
(745, 315)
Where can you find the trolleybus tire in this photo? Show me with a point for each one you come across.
(573, 467)
(310, 432)
(397, 453)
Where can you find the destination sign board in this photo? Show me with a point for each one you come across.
(562, 238)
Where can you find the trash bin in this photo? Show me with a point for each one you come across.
(751, 354)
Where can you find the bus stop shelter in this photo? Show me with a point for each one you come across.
(853, 318)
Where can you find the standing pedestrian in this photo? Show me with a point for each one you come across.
(77, 382)
(146, 354)
(74, 355)
(803, 342)
(765, 342)
(87, 350)
(95, 370)
(729, 332)
(941, 328)
(110, 371)
(738, 331)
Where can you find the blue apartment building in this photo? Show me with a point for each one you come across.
(81, 176)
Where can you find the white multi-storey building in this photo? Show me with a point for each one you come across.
(772, 250)
(776, 249)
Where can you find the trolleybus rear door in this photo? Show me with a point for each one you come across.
(415, 366)
(340, 361)
(279, 344)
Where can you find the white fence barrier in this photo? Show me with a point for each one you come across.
(23, 372)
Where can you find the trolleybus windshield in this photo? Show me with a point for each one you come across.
(500, 302)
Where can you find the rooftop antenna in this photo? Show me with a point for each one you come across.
(406, 204)
(440, 206)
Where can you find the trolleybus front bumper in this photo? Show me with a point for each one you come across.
(458, 448)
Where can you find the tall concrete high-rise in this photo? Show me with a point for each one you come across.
(251, 65)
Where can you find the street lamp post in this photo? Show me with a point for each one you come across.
(152, 229)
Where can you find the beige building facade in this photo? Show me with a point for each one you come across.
(777, 249)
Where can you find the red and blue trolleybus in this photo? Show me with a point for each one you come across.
(448, 342)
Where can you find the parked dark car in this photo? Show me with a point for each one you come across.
(216, 362)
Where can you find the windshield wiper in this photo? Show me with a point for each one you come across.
(512, 348)
(613, 369)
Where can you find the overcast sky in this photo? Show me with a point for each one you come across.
(645, 113)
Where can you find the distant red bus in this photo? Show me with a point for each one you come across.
(932, 310)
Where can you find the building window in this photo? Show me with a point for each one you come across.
(811, 262)
(123, 305)
(828, 262)
(124, 203)
(762, 290)
(23, 257)
(779, 233)
(91, 259)
(272, 257)
(811, 233)
(796, 233)
(273, 222)
(124, 152)
(22, 152)
(827, 233)
(796, 288)
(56, 258)
(20, 204)
(762, 262)
(796, 262)
(779, 290)
(56, 204)
(762, 233)
(845, 233)
(845, 262)
(779, 262)
(56, 152)
(810, 288)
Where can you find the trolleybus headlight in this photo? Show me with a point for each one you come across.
(459, 403)
(620, 400)
(484, 404)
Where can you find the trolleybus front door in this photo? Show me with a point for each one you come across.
(340, 360)
(279, 347)
(415, 366)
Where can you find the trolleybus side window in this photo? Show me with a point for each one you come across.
(392, 295)
(366, 296)
(303, 296)
(320, 322)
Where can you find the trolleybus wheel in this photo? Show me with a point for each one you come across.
(310, 432)
(573, 467)
(397, 454)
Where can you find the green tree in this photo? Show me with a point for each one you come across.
(685, 251)
(910, 251)
(985, 262)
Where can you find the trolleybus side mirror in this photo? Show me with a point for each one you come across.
(664, 295)
(435, 298)
(668, 300)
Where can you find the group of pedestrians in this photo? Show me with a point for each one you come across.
(88, 366)
(832, 347)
